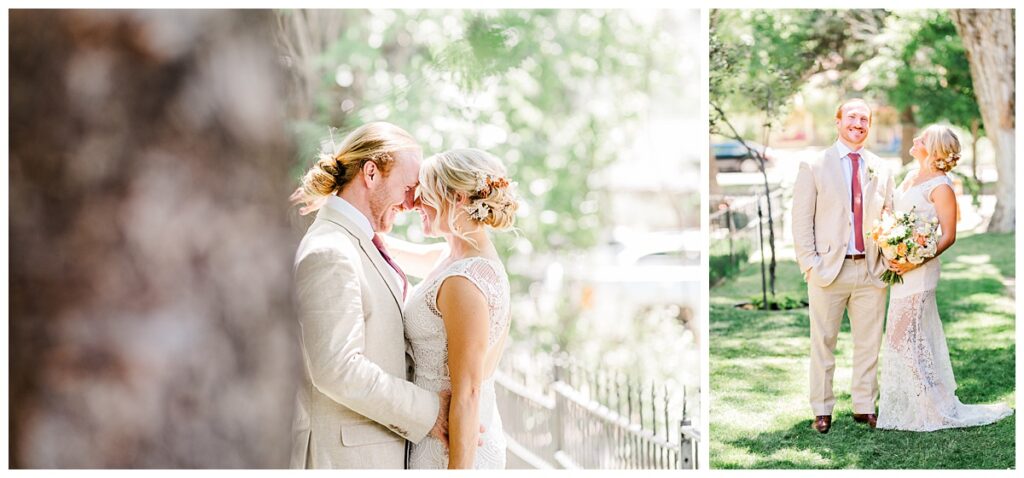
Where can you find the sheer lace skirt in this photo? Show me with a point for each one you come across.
(917, 386)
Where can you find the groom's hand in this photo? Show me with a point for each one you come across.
(440, 430)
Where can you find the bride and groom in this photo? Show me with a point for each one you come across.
(835, 197)
(386, 364)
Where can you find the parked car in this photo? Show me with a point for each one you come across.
(732, 157)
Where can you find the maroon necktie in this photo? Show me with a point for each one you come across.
(384, 253)
(857, 205)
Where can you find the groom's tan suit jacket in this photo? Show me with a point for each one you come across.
(821, 215)
(354, 407)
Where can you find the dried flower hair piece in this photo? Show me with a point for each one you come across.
(485, 183)
(478, 210)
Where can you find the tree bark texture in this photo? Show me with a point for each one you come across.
(908, 130)
(988, 37)
(151, 315)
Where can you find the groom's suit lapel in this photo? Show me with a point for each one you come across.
(871, 163)
(368, 248)
(871, 182)
(837, 178)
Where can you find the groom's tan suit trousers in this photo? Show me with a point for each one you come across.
(821, 234)
(355, 408)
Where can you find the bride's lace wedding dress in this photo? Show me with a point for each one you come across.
(917, 388)
(429, 345)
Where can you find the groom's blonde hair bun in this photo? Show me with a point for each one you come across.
(943, 147)
(475, 175)
(376, 142)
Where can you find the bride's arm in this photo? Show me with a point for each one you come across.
(416, 260)
(464, 311)
(944, 200)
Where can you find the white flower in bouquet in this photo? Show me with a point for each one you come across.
(889, 252)
(888, 221)
(898, 232)
(916, 257)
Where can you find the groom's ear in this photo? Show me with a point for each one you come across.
(371, 173)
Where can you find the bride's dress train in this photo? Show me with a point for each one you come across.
(917, 387)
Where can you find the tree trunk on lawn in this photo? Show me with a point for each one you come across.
(909, 130)
(975, 127)
(988, 37)
(150, 246)
(713, 188)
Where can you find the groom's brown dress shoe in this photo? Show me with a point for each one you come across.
(870, 418)
(822, 423)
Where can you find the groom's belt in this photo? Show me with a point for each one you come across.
(855, 256)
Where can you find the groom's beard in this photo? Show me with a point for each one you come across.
(381, 217)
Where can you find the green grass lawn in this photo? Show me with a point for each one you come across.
(760, 416)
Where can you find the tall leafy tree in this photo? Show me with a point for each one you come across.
(759, 59)
(923, 71)
(988, 37)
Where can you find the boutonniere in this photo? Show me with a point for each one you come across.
(872, 174)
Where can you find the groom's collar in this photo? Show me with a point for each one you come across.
(844, 150)
(347, 210)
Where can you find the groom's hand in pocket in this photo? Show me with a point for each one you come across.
(440, 430)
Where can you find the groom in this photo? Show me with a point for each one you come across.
(355, 408)
(836, 197)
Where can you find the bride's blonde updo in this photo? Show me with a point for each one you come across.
(943, 147)
(376, 142)
(476, 176)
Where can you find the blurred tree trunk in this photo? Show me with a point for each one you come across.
(988, 37)
(150, 318)
(302, 37)
(909, 130)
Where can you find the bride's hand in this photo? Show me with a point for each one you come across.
(901, 267)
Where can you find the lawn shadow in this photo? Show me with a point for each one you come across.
(999, 247)
(978, 376)
(855, 446)
(758, 375)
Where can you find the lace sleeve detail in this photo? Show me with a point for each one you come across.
(492, 283)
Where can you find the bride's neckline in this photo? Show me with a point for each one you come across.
(439, 271)
(911, 185)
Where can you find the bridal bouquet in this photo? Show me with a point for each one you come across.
(903, 237)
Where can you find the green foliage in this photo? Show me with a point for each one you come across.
(971, 186)
(557, 94)
(779, 302)
(724, 263)
(760, 58)
(923, 64)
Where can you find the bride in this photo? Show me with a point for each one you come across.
(917, 389)
(457, 319)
